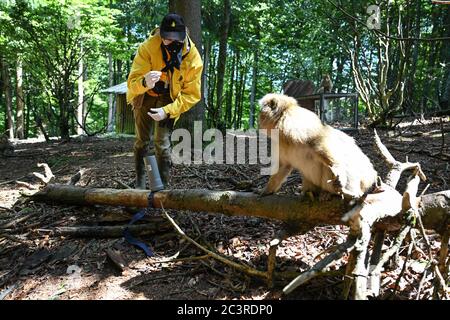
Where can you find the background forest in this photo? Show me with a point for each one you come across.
(57, 57)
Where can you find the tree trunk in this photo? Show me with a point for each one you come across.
(251, 120)
(111, 111)
(238, 87)
(20, 100)
(8, 100)
(191, 12)
(431, 62)
(434, 207)
(80, 107)
(27, 117)
(446, 59)
(241, 97)
(152, 228)
(229, 105)
(211, 87)
(221, 60)
(205, 79)
(64, 126)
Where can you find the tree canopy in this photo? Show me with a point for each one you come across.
(397, 58)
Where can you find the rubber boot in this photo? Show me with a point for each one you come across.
(164, 166)
(140, 171)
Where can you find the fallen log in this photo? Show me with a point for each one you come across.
(434, 208)
(111, 231)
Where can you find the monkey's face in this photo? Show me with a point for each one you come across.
(273, 106)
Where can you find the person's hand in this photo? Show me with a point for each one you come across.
(151, 78)
(157, 114)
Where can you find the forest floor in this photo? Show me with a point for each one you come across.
(36, 264)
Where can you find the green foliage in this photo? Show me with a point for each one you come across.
(299, 39)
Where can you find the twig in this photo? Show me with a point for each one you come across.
(443, 255)
(47, 177)
(361, 271)
(348, 277)
(374, 281)
(123, 185)
(27, 185)
(184, 291)
(240, 172)
(391, 251)
(7, 209)
(109, 231)
(220, 286)
(210, 187)
(10, 181)
(146, 278)
(440, 284)
(321, 265)
(78, 254)
(402, 272)
(14, 238)
(422, 281)
(13, 222)
(271, 260)
(193, 258)
(396, 167)
(213, 269)
(246, 269)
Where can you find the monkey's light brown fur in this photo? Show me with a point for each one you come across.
(327, 158)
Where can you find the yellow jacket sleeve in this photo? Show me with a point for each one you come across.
(190, 92)
(142, 64)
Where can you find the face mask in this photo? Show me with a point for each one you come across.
(175, 52)
(174, 48)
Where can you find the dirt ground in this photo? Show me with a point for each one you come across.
(37, 264)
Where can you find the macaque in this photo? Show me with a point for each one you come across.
(325, 85)
(328, 159)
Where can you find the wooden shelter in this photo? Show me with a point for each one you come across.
(300, 88)
(124, 119)
(337, 109)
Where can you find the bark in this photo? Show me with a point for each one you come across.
(205, 80)
(8, 99)
(229, 105)
(222, 60)
(251, 120)
(431, 61)
(434, 207)
(446, 59)
(80, 107)
(238, 88)
(191, 12)
(241, 98)
(20, 100)
(211, 88)
(111, 111)
(112, 231)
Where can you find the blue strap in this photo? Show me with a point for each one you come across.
(127, 235)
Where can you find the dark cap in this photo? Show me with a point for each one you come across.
(173, 27)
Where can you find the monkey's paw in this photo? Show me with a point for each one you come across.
(308, 194)
(336, 184)
(325, 196)
(261, 192)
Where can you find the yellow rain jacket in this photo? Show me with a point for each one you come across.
(184, 83)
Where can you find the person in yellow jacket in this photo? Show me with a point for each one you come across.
(164, 82)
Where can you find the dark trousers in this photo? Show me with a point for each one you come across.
(153, 137)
